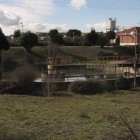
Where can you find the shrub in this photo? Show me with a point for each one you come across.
(85, 87)
(109, 85)
(122, 84)
(25, 75)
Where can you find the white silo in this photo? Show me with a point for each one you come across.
(112, 24)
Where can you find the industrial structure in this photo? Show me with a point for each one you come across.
(112, 25)
(108, 67)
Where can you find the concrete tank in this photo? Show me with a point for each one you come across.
(112, 24)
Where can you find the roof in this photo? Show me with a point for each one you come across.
(135, 29)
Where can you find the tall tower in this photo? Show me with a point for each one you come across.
(112, 24)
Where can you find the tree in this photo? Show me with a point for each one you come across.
(16, 36)
(77, 40)
(110, 35)
(28, 40)
(103, 41)
(4, 45)
(17, 33)
(53, 74)
(117, 41)
(68, 41)
(53, 33)
(92, 37)
(56, 37)
(73, 32)
(85, 40)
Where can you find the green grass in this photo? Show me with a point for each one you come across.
(90, 52)
(69, 117)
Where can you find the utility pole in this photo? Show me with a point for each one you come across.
(135, 56)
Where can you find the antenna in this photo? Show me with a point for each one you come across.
(21, 26)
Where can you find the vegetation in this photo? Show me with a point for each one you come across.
(85, 87)
(15, 39)
(17, 33)
(110, 35)
(4, 45)
(75, 37)
(92, 37)
(109, 85)
(17, 56)
(103, 41)
(95, 87)
(123, 83)
(73, 32)
(55, 37)
(25, 75)
(28, 40)
(69, 117)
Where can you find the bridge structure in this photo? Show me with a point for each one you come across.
(103, 66)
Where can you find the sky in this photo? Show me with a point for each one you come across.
(44, 15)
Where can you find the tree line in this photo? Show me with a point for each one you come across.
(73, 37)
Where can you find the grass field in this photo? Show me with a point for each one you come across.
(89, 52)
(72, 117)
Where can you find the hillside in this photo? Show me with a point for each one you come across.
(88, 52)
(17, 56)
(69, 117)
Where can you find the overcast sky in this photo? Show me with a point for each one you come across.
(43, 15)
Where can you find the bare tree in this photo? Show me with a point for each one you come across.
(52, 75)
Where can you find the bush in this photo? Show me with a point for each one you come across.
(109, 85)
(25, 75)
(122, 84)
(85, 87)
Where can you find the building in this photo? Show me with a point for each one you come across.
(129, 39)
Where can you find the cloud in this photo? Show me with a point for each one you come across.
(39, 7)
(9, 18)
(102, 26)
(59, 27)
(29, 10)
(77, 4)
(37, 27)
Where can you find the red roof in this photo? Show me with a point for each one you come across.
(135, 29)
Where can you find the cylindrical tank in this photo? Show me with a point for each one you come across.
(112, 24)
